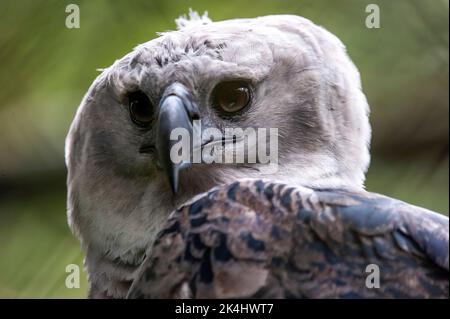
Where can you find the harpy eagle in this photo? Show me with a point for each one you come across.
(307, 230)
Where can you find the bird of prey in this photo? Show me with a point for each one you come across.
(307, 230)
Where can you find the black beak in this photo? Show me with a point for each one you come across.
(176, 110)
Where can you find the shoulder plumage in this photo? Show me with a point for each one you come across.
(252, 239)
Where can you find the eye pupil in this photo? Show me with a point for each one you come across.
(141, 110)
(231, 96)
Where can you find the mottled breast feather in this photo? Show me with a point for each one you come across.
(257, 239)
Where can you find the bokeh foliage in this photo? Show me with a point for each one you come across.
(46, 68)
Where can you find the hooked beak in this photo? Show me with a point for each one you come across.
(176, 110)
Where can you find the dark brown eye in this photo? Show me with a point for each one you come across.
(231, 96)
(141, 110)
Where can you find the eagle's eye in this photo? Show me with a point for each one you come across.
(141, 110)
(231, 96)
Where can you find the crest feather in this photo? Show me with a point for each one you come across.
(192, 19)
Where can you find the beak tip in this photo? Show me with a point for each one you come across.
(174, 188)
(173, 179)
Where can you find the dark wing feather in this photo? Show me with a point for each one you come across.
(255, 239)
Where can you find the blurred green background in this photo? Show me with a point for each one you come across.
(46, 68)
